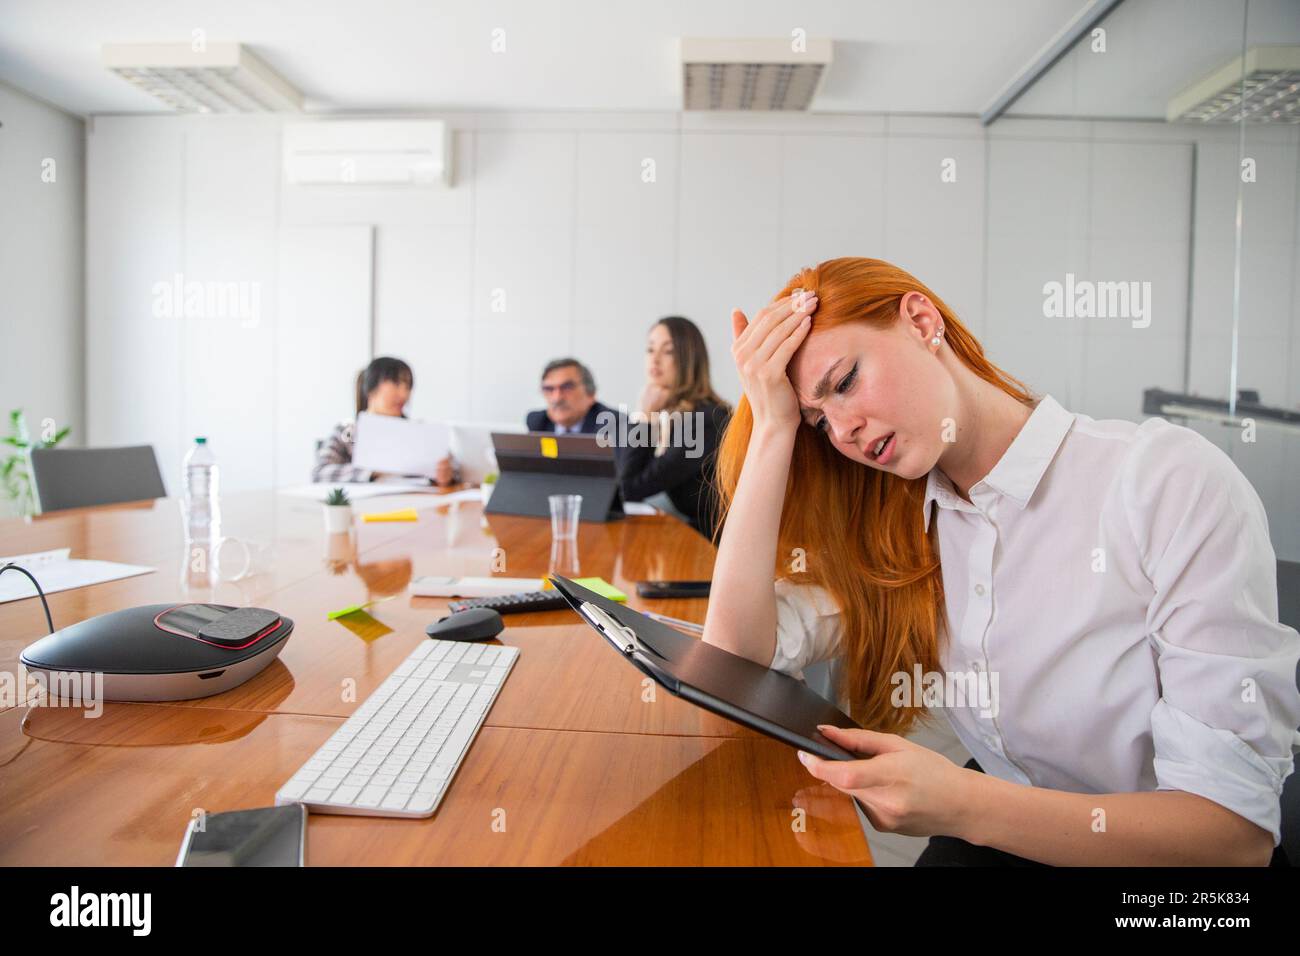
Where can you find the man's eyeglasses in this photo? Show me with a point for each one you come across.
(561, 387)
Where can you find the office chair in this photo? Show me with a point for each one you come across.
(80, 477)
(1288, 608)
(1291, 812)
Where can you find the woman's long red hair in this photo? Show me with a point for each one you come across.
(857, 531)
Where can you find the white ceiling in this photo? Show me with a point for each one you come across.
(926, 56)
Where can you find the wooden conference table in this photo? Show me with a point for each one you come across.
(577, 763)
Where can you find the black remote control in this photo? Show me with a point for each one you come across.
(514, 603)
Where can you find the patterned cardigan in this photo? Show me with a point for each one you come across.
(334, 460)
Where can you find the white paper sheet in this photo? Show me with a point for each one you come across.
(58, 572)
(399, 446)
(357, 490)
(457, 497)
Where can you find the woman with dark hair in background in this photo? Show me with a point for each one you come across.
(689, 418)
(383, 388)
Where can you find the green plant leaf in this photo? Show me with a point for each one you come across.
(61, 434)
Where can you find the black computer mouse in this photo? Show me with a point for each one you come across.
(473, 624)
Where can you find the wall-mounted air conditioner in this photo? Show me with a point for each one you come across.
(367, 153)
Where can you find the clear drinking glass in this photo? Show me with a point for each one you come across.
(564, 516)
(564, 558)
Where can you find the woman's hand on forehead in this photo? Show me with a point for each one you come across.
(762, 350)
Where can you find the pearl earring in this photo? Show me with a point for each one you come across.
(935, 340)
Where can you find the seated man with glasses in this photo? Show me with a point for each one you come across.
(571, 406)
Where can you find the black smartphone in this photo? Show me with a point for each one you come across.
(673, 589)
(267, 836)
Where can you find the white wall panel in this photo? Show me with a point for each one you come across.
(42, 246)
(322, 338)
(555, 212)
(134, 243)
(228, 373)
(423, 315)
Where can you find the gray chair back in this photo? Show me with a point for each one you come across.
(80, 477)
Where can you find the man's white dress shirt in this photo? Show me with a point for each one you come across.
(1119, 582)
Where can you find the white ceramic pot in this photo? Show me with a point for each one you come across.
(338, 518)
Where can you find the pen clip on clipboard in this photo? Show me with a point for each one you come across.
(620, 635)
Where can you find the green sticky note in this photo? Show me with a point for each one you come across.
(601, 587)
(344, 612)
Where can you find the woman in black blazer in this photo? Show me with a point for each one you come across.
(673, 437)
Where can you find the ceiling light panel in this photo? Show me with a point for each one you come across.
(220, 78)
(1272, 90)
(729, 74)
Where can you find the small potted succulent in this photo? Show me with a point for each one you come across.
(338, 512)
(488, 484)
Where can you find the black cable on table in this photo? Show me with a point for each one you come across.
(49, 621)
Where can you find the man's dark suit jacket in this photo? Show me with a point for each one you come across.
(539, 422)
(642, 473)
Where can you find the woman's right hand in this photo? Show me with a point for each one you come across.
(653, 398)
(762, 350)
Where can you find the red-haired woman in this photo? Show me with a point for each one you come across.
(1092, 603)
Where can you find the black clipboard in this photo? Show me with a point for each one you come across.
(709, 677)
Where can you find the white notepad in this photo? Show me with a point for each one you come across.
(357, 491)
(57, 571)
(434, 586)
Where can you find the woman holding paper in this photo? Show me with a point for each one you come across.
(1101, 594)
(383, 388)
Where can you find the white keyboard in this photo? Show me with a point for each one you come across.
(396, 754)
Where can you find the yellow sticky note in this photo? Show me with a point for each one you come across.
(364, 626)
(404, 514)
(550, 448)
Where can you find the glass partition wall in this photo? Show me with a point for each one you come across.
(1259, 343)
(1154, 171)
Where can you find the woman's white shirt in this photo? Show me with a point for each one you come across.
(1112, 588)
